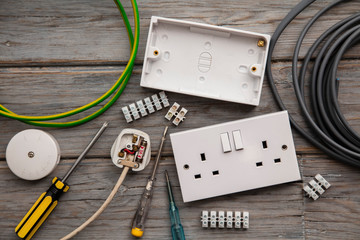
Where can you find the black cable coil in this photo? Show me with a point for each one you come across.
(331, 131)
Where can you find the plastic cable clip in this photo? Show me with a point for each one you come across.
(239, 220)
(179, 115)
(142, 109)
(316, 188)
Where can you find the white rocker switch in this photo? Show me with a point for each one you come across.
(225, 142)
(237, 140)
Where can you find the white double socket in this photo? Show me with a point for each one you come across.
(235, 156)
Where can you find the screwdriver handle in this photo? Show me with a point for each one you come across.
(138, 223)
(41, 209)
(177, 230)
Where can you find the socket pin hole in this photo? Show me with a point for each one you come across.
(259, 164)
(186, 166)
(215, 172)
(264, 144)
(202, 155)
(284, 147)
(277, 160)
(197, 176)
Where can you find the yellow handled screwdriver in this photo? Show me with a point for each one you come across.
(49, 199)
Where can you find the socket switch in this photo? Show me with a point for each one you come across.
(235, 156)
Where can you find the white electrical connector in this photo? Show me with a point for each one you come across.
(156, 102)
(134, 111)
(246, 219)
(172, 111)
(316, 188)
(205, 218)
(213, 219)
(220, 220)
(164, 99)
(149, 105)
(229, 219)
(144, 109)
(179, 115)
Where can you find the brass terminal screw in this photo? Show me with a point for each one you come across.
(134, 139)
(121, 154)
(261, 43)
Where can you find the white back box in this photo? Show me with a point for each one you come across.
(205, 60)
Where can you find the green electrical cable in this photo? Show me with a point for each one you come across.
(118, 87)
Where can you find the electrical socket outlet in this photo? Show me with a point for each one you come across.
(235, 156)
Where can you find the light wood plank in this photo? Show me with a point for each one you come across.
(82, 47)
(35, 91)
(274, 212)
(336, 215)
(91, 32)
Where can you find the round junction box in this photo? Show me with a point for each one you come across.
(32, 154)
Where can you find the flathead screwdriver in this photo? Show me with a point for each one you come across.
(49, 199)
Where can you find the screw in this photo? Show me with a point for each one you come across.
(261, 43)
(121, 154)
(31, 154)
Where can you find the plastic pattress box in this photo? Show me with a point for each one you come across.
(205, 60)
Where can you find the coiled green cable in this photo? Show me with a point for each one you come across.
(116, 90)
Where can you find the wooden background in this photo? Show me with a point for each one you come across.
(58, 55)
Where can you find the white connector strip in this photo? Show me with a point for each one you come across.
(179, 116)
(220, 220)
(142, 110)
(316, 188)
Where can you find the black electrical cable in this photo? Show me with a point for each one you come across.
(330, 130)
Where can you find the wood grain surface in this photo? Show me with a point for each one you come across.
(59, 55)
